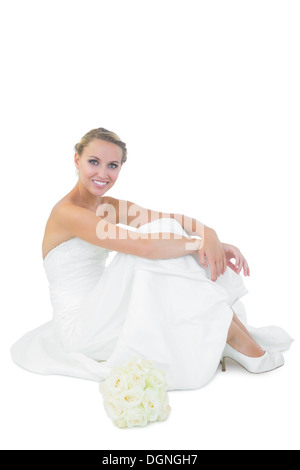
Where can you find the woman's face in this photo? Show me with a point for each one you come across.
(99, 166)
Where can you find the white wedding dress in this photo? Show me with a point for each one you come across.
(166, 310)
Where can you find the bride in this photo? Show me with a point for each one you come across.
(171, 293)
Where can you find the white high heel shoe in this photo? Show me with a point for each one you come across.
(256, 365)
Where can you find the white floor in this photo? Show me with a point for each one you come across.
(236, 411)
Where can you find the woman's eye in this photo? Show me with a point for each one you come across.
(112, 165)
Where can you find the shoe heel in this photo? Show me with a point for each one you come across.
(223, 364)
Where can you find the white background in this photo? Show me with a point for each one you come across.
(206, 96)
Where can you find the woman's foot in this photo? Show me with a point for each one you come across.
(256, 365)
(242, 348)
(240, 340)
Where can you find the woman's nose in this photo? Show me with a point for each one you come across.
(102, 173)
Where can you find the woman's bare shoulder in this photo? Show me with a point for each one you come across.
(54, 235)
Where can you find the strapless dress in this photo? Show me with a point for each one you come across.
(166, 310)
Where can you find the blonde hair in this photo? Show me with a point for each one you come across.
(101, 134)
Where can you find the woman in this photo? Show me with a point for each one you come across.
(170, 294)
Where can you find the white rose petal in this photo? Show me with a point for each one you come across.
(139, 363)
(146, 364)
(132, 364)
(156, 378)
(165, 407)
(136, 417)
(115, 409)
(116, 383)
(152, 403)
(164, 413)
(136, 378)
(132, 397)
(121, 423)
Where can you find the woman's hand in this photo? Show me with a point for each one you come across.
(214, 251)
(240, 261)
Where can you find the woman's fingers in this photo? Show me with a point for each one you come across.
(224, 265)
(246, 269)
(231, 265)
(215, 255)
(219, 266)
(240, 264)
(216, 268)
(202, 258)
(213, 270)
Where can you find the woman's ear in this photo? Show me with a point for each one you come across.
(76, 158)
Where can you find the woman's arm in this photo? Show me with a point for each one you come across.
(210, 247)
(98, 230)
(128, 213)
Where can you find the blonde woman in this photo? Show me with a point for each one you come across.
(171, 293)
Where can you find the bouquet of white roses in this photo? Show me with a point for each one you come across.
(136, 394)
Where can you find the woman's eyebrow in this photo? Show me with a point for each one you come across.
(99, 159)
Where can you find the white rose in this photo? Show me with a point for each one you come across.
(115, 384)
(152, 403)
(115, 408)
(138, 363)
(146, 364)
(134, 417)
(133, 364)
(121, 423)
(156, 378)
(132, 397)
(136, 378)
(164, 413)
(165, 407)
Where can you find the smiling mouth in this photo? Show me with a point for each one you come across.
(100, 184)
